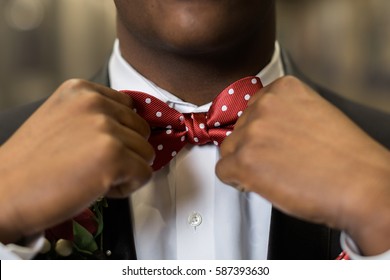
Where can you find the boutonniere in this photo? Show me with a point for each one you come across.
(78, 238)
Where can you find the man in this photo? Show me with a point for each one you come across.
(185, 53)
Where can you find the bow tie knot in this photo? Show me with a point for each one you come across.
(198, 131)
(196, 128)
(171, 130)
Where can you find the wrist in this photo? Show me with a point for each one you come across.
(8, 234)
(353, 251)
(367, 220)
(372, 240)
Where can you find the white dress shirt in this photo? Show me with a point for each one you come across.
(185, 212)
(30, 248)
(350, 247)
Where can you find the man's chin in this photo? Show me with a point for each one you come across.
(203, 45)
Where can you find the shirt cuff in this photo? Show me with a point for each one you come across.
(31, 248)
(350, 247)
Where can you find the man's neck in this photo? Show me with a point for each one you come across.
(198, 78)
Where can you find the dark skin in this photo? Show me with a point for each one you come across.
(194, 49)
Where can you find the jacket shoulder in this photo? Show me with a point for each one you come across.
(373, 121)
(12, 119)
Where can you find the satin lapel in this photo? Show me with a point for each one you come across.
(118, 240)
(293, 239)
(102, 76)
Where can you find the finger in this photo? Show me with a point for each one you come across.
(134, 172)
(78, 87)
(123, 110)
(229, 145)
(226, 171)
(104, 99)
(133, 141)
(127, 117)
(252, 104)
(117, 96)
(239, 134)
(259, 107)
(258, 95)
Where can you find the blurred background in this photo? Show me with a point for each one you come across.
(342, 44)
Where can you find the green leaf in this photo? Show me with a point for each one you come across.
(99, 219)
(83, 240)
(104, 203)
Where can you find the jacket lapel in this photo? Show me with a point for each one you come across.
(118, 240)
(293, 239)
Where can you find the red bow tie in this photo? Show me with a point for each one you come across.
(172, 130)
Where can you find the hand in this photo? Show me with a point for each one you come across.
(84, 142)
(301, 153)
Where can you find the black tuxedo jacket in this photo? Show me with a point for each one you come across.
(289, 238)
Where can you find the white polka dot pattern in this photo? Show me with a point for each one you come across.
(171, 130)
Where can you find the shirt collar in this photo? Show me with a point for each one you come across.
(123, 76)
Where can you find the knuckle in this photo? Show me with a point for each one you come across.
(89, 100)
(265, 105)
(255, 131)
(268, 102)
(80, 95)
(102, 122)
(74, 85)
(256, 138)
(108, 148)
(288, 82)
(291, 84)
(244, 156)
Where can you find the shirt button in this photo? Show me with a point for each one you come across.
(195, 219)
